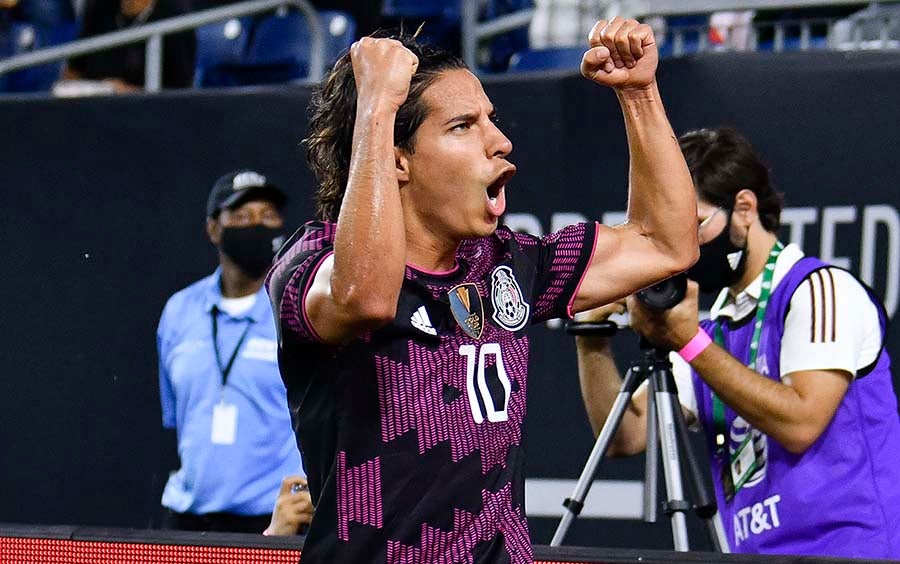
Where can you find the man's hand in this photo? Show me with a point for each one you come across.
(623, 55)
(293, 508)
(382, 69)
(670, 328)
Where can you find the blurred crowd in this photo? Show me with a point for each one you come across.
(556, 24)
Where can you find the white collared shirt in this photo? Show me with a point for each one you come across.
(744, 304)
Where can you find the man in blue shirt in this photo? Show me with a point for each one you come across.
(218, 374)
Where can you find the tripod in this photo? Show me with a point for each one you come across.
(667, 430)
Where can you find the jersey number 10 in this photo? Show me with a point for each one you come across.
(476, 383)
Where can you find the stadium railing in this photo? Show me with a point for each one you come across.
(787, 34)
(154, 32)
(474, 31)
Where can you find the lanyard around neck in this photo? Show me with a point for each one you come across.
(226, 370)
(765, 291)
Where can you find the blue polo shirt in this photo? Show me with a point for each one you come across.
(243, 477)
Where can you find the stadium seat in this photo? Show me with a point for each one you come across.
(690, 44)
(279, 49)
(422, 9)
(440, 20)
(502, 47)
(24, 38)
(219, 46)
(792, 30)
(273, 50)
(690, 28)
(793, 43)
(562, 58)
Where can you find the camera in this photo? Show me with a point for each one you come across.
(665, 295)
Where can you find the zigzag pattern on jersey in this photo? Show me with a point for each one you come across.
(283, 281)
(309, 238)
(569, 242)
(411, 397)
(290, 310)
(453, 547)
(360, 495)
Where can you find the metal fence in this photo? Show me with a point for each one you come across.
(154, 32)
(573, 18)
(877, 30)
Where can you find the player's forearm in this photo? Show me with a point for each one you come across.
(774, 408)
(600, 383)
(370, 246)
(662, 202)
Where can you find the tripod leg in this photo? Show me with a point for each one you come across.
(575, 503)
(676, 504)
(705, 505)
(651, 459)
(716, 531)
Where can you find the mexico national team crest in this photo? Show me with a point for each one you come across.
(467, 309)
(510, 308)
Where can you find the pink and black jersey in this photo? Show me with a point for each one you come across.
(411, 435)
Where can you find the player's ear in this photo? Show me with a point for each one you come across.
(401, 164)
(745, 208)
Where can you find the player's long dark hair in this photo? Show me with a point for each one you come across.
(333, 117)
(722, 163)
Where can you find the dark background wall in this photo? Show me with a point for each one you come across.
(103, 205)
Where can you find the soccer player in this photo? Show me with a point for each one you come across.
(403, 311)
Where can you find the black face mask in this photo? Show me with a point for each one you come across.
(252, 248)
(721, 264)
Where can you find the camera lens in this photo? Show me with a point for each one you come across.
(667, 294)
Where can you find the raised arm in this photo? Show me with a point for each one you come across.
(356, 289)
(659, 238)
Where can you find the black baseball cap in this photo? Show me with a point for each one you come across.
(241, 186)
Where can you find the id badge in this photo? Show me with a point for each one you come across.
(743, 463)
(224, 424)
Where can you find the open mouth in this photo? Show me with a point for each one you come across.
(494, 189)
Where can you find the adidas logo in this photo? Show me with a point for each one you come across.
(421, 322)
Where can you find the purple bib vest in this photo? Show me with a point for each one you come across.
(839, 498)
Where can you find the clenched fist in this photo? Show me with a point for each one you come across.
(382, 69)
(623, 54)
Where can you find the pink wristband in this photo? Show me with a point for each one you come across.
(695, 346)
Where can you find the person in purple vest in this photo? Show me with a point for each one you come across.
(788, 379)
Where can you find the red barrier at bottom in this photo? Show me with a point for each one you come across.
(27, 544)
(52, 551)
